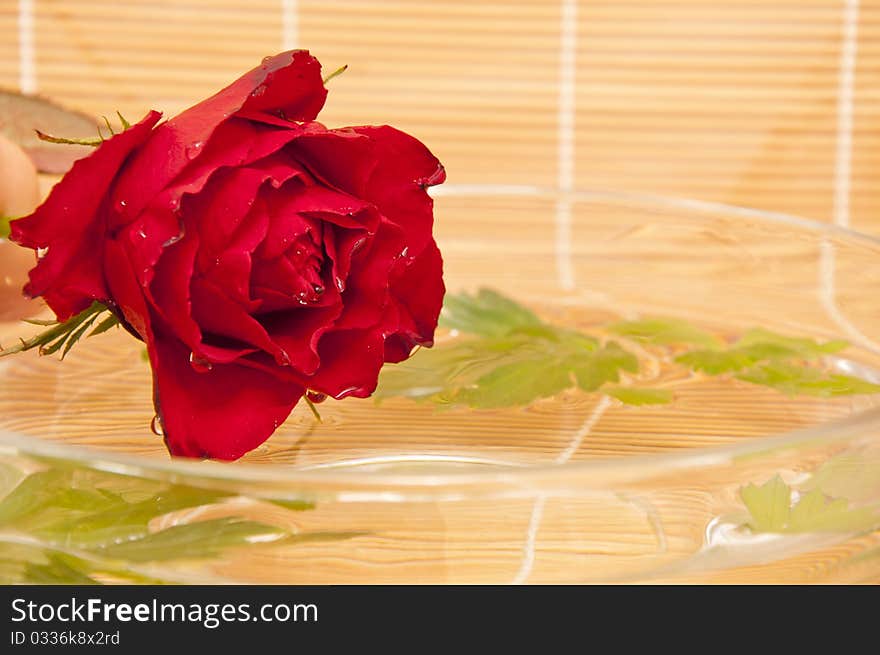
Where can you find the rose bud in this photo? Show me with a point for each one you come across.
(258, 254)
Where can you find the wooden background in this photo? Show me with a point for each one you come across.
(772, 104)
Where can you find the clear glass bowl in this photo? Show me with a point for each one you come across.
(570, 489)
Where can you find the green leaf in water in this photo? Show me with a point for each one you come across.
(666, 332)
(199, 540)
(603, 365)
(508, 357)
(487, 314)
(755, 346)
(296, 505)
(778, 345)
(515, 384)
(769, 505)
(58, 569)
(771, 510)
(640, 395)
(77, 522)
(795, 379)
(854, 475)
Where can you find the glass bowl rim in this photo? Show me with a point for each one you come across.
(592, 473)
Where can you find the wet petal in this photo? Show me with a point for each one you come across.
(221, 413)
(70, 223)
(350, 363)
(289, 83)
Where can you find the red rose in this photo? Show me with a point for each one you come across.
(257, 253)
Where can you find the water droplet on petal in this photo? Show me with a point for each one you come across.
(142, 234)
(434, 178)
(404, 252)
(283, 358)
(340, 284)
(345, 392)
(200, 364)
(318, 289)
(193, 150)
(156, 426)
(177, 237)
(358, 245)
(123, 203)
(316, 396)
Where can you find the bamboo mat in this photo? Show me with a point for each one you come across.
(772, 105)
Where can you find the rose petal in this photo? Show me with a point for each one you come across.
(341, 159)
(125, 290)
(289, 82)
(417, 291)
(299, 332)
(221, 413)
(405, 168)
(366, 291)
(350, 363)
(70, 224)
(218, 315)
(169, 291)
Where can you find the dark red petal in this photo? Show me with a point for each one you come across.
(169, 291)
(366, 292)
(219, 315)
(397, 348)
(221, 413)
(289, 82)
(299, 332)
(342, 159)
(350, 363)
(125, 290)
(69, 223)
(405, 168)
(417, 289)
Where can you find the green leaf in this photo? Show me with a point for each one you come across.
(487, 314)
(667, 332)
(203, 539)
(814, 512)
(770, 510)
(756, 346)
(516, 384)
(125, 123)
(77, 334)
(104, 325)
(59, 336)
(604, 365)
(853, 475)
(32, 494)
(106, 519)
(58, 569)
(296, 505)
(769, 505)
(715, 362)
(793, 379)
(28, 563)
(640, 395)
(778, 345)
(4, 226)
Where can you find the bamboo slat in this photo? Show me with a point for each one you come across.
(729, 102)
